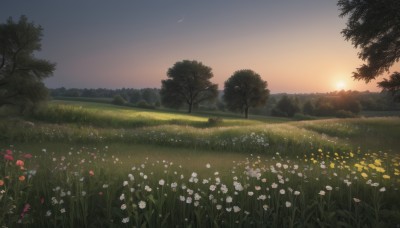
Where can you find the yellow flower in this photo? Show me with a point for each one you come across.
(386, 177)
(379, 169)
(351, 154)
(332, 165)
(372, 166)
(320, 150)
(364, 175)
(359, 167)
(378, 162)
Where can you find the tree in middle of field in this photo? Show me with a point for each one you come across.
(245, 89)
(189, 82)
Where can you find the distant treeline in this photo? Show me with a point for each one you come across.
(339, 103)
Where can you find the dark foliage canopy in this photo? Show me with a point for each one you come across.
(374, 27)
(188, 83)
(21, 73)
(287, 106)
(245, 89)
(392, 85)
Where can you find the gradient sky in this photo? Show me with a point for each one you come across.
(295, 45)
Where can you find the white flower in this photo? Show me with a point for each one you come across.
(142, 204)
(224, 189)
(123, 206)
(356, 200)
(329, 188)
(219, 207)
(161, 182)
(174, 185)
(196, 203)
(182, 198)
(189, 200)
(236, 209)
(250, 193)
(265, 207)
(262, 197)
(208, 165)
(197, 196)
(147, 188)
(125, 220)
(382, 189)
(296, 193)
(288, 204)
(194, 174)
(212, 187)
(62, 210)
(125, 183)
(83, 193)
(122, 197)
(238, 186)
(48, 213)
(322, 193)
(229, 199)
(105, 185)
(282, 191)
(279, 165)
(274, 185)
(228, 209)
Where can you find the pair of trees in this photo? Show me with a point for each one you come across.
(189, 82)
(21, 73)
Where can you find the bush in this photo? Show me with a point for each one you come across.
(118, 100)
(215, 121)
(344, 114)
(144, 104)
(299, 116)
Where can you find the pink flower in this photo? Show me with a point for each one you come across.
(9, 157)
(9, 152)
(25, 210)
(19, 163)
(91, 173)
(27, 156)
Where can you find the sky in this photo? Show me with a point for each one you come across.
(294, 45)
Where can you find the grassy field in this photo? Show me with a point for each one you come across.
(80, 164)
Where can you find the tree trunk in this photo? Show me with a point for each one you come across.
(246, 112)
(190, 107)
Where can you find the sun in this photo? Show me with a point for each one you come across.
(340, 85)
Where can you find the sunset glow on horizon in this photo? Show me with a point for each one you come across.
(296, 46)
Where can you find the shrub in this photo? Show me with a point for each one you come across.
(215, 120)
(344, 114)
(118, 100)
(144, 104)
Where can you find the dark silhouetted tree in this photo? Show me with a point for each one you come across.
(374, 27)
(21, 73)
(188, 83)
(245, 89)
(308, 108)
(392, 85)
(287, 106)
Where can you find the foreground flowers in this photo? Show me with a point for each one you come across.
(257, 190)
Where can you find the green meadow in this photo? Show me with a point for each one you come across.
(85, 164)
